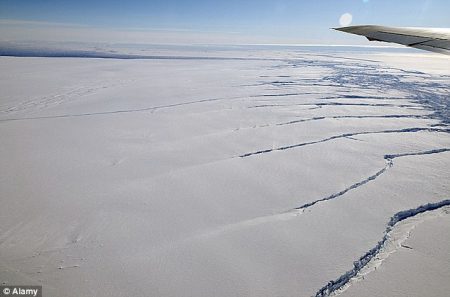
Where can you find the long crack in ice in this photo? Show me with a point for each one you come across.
(335, 285)
(406, 130)
(389, 163)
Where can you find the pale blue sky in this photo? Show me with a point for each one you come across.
(200, 21)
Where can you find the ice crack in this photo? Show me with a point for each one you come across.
(389, 163)
(282, 148)
(354, 186)
(337, 284)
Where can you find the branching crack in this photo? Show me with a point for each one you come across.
(389, 163)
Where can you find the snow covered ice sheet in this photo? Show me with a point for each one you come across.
(267, 175)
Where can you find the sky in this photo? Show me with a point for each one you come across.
(210, 22)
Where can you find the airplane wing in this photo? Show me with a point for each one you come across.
(430, 39)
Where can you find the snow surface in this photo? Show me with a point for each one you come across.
(252, 174)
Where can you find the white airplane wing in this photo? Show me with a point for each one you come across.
(430, 39)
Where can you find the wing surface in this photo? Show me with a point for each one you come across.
(430, 39)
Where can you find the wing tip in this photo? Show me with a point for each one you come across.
(349, 29)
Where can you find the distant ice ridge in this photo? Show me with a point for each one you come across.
(144, 51)
(359, 264)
